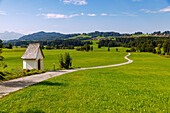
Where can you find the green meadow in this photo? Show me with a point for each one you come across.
(98, 57)
(142, 86)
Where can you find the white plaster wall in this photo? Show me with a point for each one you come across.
(29, 64)
(33, 64)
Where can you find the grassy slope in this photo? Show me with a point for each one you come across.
(141, 86)
(98, 57)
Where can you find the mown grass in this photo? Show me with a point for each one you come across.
(142, 86)
(98, 57)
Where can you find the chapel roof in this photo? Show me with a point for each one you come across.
(32, 52)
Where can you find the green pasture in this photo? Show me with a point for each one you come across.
(143, 86)
(98, 57)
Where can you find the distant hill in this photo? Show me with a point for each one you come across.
(10, 35)
(40, 36)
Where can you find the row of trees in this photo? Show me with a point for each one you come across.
(9, 46)
(143, 44)
(56, 44)
(86, 47)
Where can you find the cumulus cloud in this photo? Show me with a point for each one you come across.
(148, 11)
(165, 9)
(75, 2)
(159, 11)
(103, 14)
(91, 14)
(82, 14)
(55, 16)
(2, 12)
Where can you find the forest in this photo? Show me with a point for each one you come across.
(142, 44)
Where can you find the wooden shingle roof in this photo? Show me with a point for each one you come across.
(32, 52)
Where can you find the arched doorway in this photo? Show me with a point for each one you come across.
(39, 64)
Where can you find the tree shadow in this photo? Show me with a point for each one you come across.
(27, 83)
(51, 83)
(32, 111)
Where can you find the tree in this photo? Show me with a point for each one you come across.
(1, 45)
(61, 61)
(133, 49)
(2, 65)
(87, 47)
(108, 49)
(159, 48)
(9, 46)
(65, 62)
(91, 48)
(165, 46)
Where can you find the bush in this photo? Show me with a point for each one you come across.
(128, 50)
(159, 52)
(154, 51)
(65, 62)
(2, 76)
(133, 49)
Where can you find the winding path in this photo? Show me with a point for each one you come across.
(20, 83)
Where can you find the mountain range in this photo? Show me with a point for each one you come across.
(10, 35)
(40, 36)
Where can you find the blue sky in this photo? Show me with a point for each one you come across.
(73, 16)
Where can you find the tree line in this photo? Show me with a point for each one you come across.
(56, 44)
(142, 44)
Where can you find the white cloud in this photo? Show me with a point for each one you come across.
(75, 2)
(165, 9)
(54, 16)
(82, 14)
(91, 14)
(103, 14)
(74, 15)
(58, 16)
(159, 11)
(2, 12)
(113, 15)
(148, 11)
(128, 14)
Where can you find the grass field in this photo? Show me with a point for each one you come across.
(142, 86)
(98, 57)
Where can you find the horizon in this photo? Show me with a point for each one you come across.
(84, 16)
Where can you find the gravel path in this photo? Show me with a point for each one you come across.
(17, 84)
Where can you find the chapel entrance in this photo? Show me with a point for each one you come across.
(39, 64)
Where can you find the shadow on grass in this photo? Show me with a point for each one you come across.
(32, 111)
(26, 83)
(51, 83)
(27, 111)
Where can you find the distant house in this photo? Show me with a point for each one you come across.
(33, 57)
